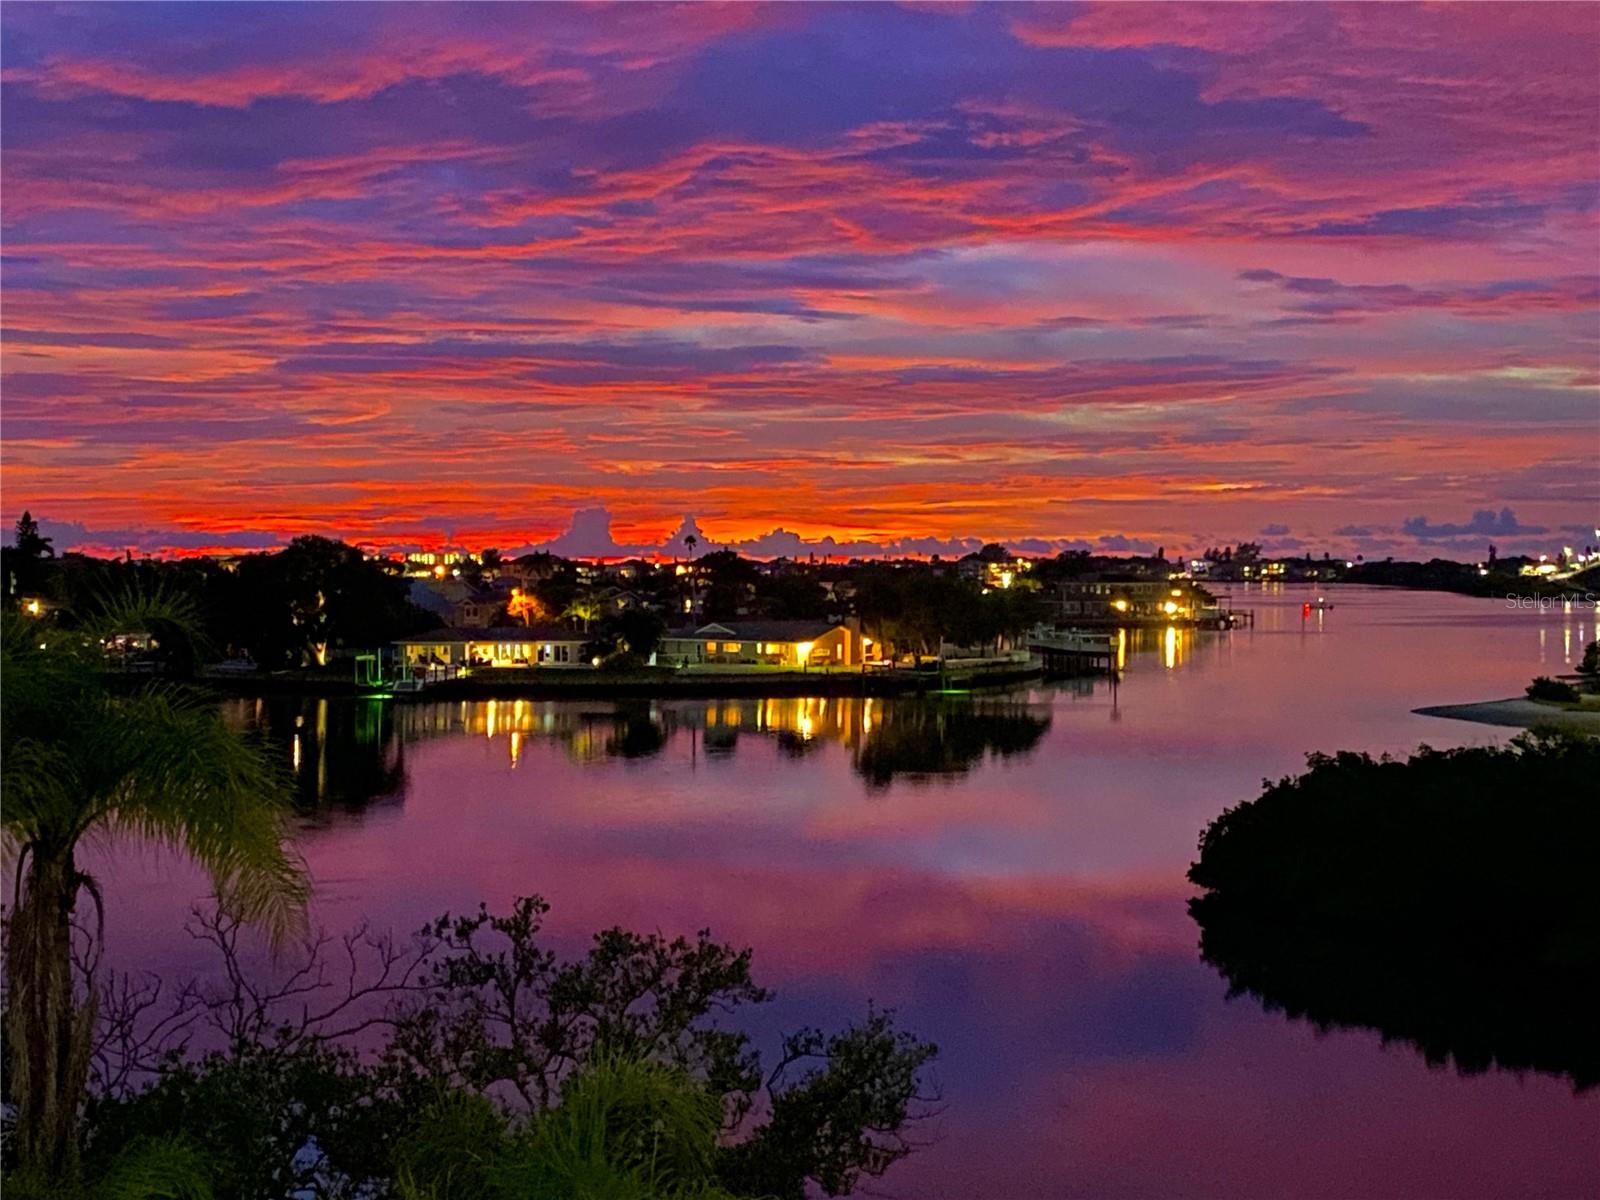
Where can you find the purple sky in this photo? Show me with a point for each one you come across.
(1115, 276)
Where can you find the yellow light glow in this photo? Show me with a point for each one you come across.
(803, 651)
(439, 571)
(1169, 608)
(34, 608)
(1120, 605)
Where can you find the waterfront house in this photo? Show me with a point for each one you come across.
(498, 646)
(1113, 600)
(767, 643)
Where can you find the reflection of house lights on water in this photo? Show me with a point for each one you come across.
(516, 747)
(805, 727)
(294, 753)
(1169, 646)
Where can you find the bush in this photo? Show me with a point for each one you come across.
(506, 1073)
(1545, 688)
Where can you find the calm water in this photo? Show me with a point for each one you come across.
(1006, 871)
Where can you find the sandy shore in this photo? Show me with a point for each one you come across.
(1517, 711)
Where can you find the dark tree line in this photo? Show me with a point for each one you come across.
(1447, 900)
(295, 607)
(914, 609)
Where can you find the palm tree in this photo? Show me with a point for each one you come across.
(586, 606)
(84, 759)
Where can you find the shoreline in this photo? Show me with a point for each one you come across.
(546, 685)
(1517, 712)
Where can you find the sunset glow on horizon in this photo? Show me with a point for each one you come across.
(1111, 276)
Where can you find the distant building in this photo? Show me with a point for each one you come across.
(457, 603)
(499, 646)
(768, 643)
(1108, 601)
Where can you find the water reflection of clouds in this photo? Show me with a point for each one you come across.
(1027, 914)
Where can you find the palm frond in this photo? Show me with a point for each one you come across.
(137, 606)
(450, 1149)
(157, 1168)
(182, 778)
(625, 1127)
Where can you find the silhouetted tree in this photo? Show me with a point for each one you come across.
(1590, 665)
(84, 762)
(28, 554)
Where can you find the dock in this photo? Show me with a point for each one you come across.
(1073, 651)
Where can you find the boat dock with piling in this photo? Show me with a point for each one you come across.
(1073, 651)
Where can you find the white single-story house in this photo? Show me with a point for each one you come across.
(767, 643)
(502, 646)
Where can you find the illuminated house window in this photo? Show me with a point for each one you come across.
(732, 647)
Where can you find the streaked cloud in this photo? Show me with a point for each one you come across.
(821, 275)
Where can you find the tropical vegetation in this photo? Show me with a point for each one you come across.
(91, 756)
(472, 1061)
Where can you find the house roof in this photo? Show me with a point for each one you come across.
(757, 631)
(499, 633)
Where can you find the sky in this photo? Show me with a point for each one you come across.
(898, 276)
